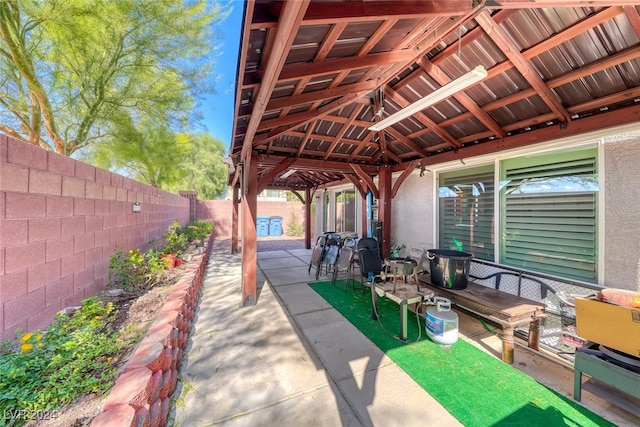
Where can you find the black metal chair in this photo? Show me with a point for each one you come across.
(371, 265)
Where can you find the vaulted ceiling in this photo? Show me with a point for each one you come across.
(314, 75)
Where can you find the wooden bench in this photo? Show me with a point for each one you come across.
(507, 310)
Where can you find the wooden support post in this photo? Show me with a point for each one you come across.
(234, 219)
(249, 235)
(307, 218)
(384, 209)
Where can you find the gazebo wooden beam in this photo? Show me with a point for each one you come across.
(288, 23)
(404, 175)
(366, 179)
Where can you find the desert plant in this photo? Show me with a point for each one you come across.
(294, 228)
(196, 230)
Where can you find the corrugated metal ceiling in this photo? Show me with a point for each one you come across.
(311, 72)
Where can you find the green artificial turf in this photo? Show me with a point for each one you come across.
(477, 389)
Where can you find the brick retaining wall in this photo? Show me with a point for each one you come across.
(142, 394)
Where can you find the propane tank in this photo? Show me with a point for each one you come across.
(441, 323)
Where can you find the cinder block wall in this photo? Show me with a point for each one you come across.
(60, 222)
(220, 213)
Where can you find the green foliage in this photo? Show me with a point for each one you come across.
(136, 271)
(294, 228)
(197, 230)
(175, 241)
(73, 71)
(201, 164)
(145, 151)
(72, 357)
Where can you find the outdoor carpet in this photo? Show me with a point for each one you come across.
(477, 389)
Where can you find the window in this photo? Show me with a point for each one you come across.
(547, 209)
(466, 211)
(345, 211)
(549, 212)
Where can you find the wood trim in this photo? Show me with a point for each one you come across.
(288, 24)
(266, 179)
(366, 179)
(404, 175)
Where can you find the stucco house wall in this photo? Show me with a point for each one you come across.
(412, 212)
(622, 211)
(60, 222)
(414, 209)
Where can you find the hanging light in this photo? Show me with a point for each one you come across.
(288, 173)
(451, 88)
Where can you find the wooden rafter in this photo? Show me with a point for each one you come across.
(289, 21)
(422, 118)
(403, 176)
(436, 73)
(366, 179)
(356, 182)
(319, 14)
(264, 180)
(308, 83)
(502, 40)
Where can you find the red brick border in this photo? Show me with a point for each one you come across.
(142, 394)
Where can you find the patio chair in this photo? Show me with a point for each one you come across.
(371, 265)
(352, 242)
(364, 243)
(317, 255)
(343, 265)
(331, 251)
(416, 254)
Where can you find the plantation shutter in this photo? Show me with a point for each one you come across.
(549, 214)
(466, 210)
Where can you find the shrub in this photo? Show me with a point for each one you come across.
(294, 228)
(175, 242)
(74, 356)
(136, 271)
(196, 230)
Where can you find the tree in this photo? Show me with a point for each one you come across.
(164, 159)
(73, 71)
(202, 166)
(147, 152)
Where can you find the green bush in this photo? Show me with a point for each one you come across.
(294, 228)
(175, 242)
(196, 230)
(74, 356)
(135, 271)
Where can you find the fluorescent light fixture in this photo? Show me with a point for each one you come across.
(288, 173)
(434, 97)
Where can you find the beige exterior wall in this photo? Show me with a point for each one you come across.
(414, 216)
(621, 216)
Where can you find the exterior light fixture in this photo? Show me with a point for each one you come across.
(136, 207)
(288, 173)
(451, 88)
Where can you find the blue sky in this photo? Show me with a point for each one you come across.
(218, 108)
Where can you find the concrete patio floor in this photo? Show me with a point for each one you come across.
(292, 360)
